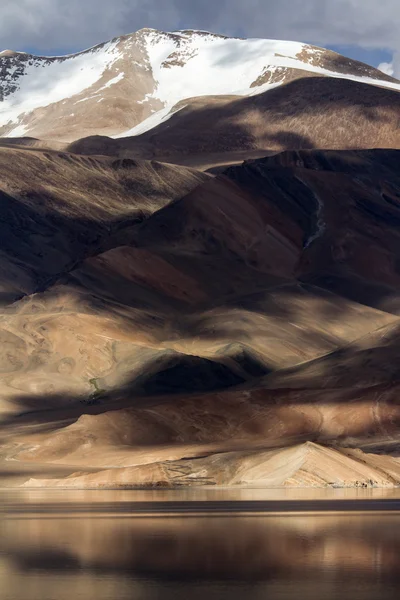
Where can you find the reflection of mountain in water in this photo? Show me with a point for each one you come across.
(218, 547)
(271, 552)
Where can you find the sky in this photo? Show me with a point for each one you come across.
(368, 30)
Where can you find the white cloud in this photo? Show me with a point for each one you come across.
(387, 68)
(74, 24)
(392, 68)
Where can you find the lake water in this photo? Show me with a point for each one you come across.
(200, 544)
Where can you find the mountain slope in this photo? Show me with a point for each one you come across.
(307, 465)
(215, 289)
(258, 312)
(131, 83)
(59, 208)
(310, 112)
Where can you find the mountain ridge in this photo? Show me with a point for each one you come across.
(115, 86)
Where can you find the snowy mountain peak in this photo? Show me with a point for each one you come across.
(133, 82)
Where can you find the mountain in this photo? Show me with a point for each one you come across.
(255, 313)
(162, 325)
(133, 83)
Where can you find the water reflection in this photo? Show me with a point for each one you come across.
(289, 556)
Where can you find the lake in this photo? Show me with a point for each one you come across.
(200, 543)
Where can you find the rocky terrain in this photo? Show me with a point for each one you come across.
(161, 325)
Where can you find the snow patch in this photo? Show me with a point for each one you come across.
(19, 131)
(145, 99)
(191, 64)
(156, 119)
(112, 81)
(217, 66)
(223, 65)
(46, 82)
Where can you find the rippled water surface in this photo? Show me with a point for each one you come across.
(200, 544)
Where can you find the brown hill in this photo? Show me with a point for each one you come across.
(311, 112)
(307, 465)
(278, 278)
(218, 287)
(59, 208)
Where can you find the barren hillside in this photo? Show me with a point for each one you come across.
(59, 208)
(310, 112)
(257, 312)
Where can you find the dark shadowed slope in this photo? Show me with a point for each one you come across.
(58, 208)
(311, 112)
